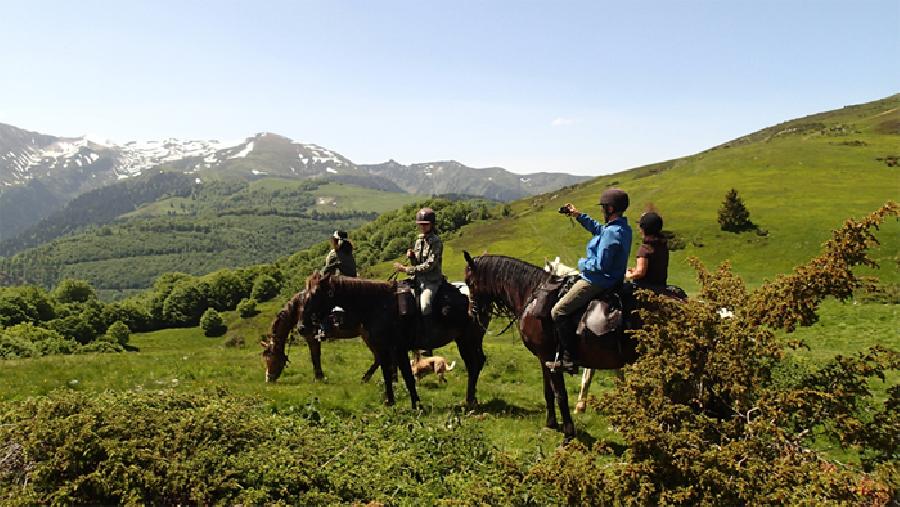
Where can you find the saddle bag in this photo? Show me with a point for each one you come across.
(599, 318)
(406, 299)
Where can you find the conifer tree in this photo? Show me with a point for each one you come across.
(733, 215)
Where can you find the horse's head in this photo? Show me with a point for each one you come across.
(274, 358)
(275, 341)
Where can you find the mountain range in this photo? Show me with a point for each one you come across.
(39, 173)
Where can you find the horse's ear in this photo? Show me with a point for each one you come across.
(469, 260)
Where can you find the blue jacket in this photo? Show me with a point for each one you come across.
(607, 252)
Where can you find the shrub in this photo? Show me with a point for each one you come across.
(118, 332)
(74, 291)
(212, 324)
(733, 215)
(100, 346)
(247, 308)
(265, 288)
(28, 340)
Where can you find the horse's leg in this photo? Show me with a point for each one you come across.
(402, 361)
(384, 357)
(549, 398)
(586, 377)
(558, 383)
(368, 374)
(315, 355)
(472, 352)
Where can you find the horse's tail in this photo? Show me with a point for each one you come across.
(451, 365)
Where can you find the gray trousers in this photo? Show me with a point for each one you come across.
(577, 297)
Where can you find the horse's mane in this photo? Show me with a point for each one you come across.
(290, 312)
(502, 278)
(358, 288)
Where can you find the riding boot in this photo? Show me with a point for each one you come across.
(564, 329)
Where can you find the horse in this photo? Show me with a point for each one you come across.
(290, 315)
(374, 303)
(507, 286)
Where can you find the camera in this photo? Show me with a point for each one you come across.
(563, 210)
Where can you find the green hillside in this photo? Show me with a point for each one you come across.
(799, 180)
(219, 224)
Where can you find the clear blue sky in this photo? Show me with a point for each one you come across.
(585, 87)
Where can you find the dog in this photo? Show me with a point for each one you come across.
(423, 365)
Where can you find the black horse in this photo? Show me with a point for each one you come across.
(391, 335)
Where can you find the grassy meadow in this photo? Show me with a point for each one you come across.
(511, 411)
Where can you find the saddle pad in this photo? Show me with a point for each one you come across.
(599, 319)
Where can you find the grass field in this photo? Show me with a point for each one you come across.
(511, 411)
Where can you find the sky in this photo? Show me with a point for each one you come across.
(586, 87)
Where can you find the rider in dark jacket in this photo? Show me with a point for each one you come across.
(339, 260)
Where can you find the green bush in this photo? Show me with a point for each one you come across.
(265, 288)
(167, 447)
(247, 308)
(212, 324)
(74, 291)
(118, 332)
(28, 340)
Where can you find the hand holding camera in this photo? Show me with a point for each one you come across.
(569, 209)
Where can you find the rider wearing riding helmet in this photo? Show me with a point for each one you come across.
(425, 260)
(602, 270)
(339, 260)
(652, 269)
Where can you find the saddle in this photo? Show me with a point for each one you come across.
(449, 304)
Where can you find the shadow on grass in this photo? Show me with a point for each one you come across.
(498, 406)
(131, 348)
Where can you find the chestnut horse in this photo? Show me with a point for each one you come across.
(374, 304)
(287, 319)
(506, 286)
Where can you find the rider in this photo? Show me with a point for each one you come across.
(652, 269)
(425, 260)
(602, 271)
(339, 260)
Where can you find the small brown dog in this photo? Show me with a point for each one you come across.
(423, 365)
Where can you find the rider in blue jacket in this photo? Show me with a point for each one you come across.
(602, 270)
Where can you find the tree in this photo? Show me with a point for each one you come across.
(118, 332)
(733, 215)
(212, 324)
(265, 288)
(74, 291)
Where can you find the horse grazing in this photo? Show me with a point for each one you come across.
(287, 319)
(511, 287)
(374, 303)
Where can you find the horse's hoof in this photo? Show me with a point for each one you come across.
(388, 403)
(366, 378)
(580, 407)
(552, 426)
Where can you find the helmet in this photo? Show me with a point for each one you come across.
(616, 198)
(425, 216)
(651, 223)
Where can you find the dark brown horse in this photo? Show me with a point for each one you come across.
(374, 304)
(288, 319)
(507, 286)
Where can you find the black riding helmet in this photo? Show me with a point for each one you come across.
(425, 216)
(615, 197)
(651, 223)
